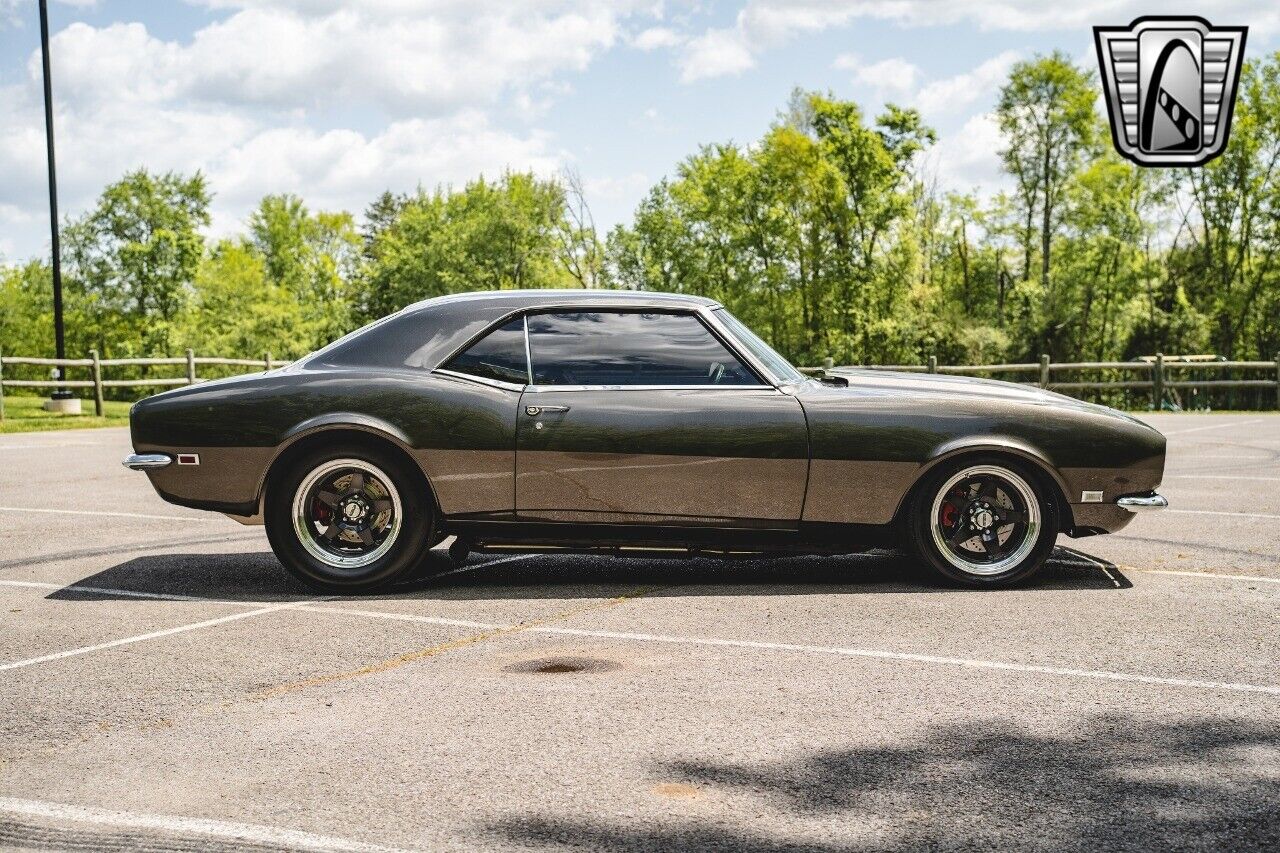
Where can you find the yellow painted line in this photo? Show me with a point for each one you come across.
(1213, 575)
(448, 646)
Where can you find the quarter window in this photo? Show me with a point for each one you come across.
(499, 355)
(629, 348)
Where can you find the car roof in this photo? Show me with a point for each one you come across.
(516, 299)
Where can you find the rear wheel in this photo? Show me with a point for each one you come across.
(348, 519)
(984, 523)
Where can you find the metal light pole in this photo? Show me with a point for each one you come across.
(60, 394)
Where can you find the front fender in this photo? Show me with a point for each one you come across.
(970, 444)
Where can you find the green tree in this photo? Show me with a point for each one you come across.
(1046, 113)
(135, 255)
(237, 309)
(1227, 263)
(312, 257)
(490, 235)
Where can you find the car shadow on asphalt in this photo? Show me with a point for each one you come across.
(259, 577)
(1107, 781)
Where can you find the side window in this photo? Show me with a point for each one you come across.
(629, 348)
(498, 355)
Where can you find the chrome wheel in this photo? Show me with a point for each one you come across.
(985, 520)
(347, 513)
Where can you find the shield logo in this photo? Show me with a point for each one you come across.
(1170, 86)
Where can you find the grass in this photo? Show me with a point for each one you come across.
(25, 414)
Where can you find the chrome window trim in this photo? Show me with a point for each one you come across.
(482, 380)
(705, 313)
(552, 307)
(528, 353)
(543, 389)
(735, 346)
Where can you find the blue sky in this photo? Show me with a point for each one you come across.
(338, 101)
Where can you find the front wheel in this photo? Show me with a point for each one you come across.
(984, 523)
(347, 519)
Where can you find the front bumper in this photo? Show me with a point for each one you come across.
(147, 461)
(1143, 503)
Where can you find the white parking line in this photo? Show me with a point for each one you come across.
(474, 566)
(1220, 512)
(101, 590)
(207, 623)
(309, 606)
(26, 509)
(880, 654)
(1219, 477)
(1090, 562)
(48, 446)
(292, 839)
(1216, 426)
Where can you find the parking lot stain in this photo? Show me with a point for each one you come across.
(451, 645)
(563, 666)
(676, 791)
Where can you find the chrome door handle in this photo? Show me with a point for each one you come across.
(534, 411)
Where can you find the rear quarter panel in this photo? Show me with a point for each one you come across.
(461, 434)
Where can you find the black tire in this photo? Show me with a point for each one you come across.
(326, 561)
(981, 552)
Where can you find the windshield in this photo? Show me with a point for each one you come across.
(777, 365)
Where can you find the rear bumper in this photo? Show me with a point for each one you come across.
(147, 461)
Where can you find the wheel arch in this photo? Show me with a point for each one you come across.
(337, 427)
(1000, 447)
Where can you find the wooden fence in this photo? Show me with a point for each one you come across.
(95, 367)
(1157, 375)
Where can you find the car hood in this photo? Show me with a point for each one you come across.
(967, 387)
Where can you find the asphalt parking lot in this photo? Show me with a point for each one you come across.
(163, 685)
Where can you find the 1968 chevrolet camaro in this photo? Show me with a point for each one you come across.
(633, 423)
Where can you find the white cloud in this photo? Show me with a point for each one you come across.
(891, 78)
(762, 24)
(970, 158)
(621, 188)
(393, 55)
(953, 94)
(655, 38)
(343, 169)
(715, 53)
(250, 100)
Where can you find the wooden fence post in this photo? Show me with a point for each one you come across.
(933, 364)
(266, 360)
(1157, 381)
(1, 385)
(97, 382)
(191, 367)
(1044, 371)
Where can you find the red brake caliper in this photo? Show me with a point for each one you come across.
(949, 511)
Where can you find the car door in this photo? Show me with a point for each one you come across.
(647, 416)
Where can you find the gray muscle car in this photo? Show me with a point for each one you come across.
(632, 423)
